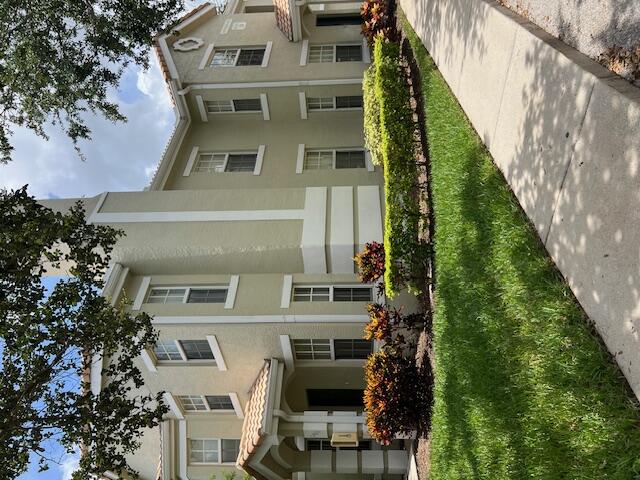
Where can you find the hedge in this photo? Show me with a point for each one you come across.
(396, 134)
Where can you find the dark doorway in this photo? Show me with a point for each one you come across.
(327, 397)
(334, 20)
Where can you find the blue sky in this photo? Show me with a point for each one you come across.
(65, 463)
(119, 157)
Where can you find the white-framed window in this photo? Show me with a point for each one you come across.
(332, 293)
(183, 351)
(213, 294)
(335, 53)
(332, 349)
(326, 159)
(213, 450)
(167, 350)
(206, 403)
(246, 105)
(193, 403)
(342, 102)
(236, 57)
(211, 162)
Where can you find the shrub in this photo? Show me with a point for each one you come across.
(370, 262)
(372, 137)
(387, 325)
(404, 252)
(392, 398)
(378, 19)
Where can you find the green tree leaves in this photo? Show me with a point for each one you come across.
(49, 342)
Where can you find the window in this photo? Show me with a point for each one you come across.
(311, 294)
(219, 402)
(183, 350)
(333, 159)
(332, 294)
(197, 349)
(210, 163)
(320, 103)
(208, 450)
(334, 103)
(349, 101)
(259, 9)
(207, 295)
(312, 349)
(225, 162)
(187, 295)
(229, 106)
(333, 20)
(167, 350)
(231, 57)
(318, 160)
(326, 349)
(247, 105)
(166, 295)
(218, 106)
(204, 451)
(350, 159)
(321, 53)
(352, 349)
(230, 450)
(193, 403)
(348, 53)
(335, 53)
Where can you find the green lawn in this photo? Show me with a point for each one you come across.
(523, 388)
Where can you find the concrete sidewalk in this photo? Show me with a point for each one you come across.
(566, 134)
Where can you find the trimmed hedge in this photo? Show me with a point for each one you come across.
(372, 140)
(397, 129)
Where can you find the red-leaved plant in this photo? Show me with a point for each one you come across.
(370, 262)
(392, 397)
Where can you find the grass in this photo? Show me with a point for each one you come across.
(524, 389)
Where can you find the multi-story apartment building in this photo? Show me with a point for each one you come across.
(241, 248)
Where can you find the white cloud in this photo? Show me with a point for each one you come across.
(69, 465)
(120, 156)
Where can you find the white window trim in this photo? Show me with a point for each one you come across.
(201, 108)
(142, 293)
(332, 351)
(205, 58)
(264, 105)
(232, 288)
(237, 406)
(267, 54)
(302, 100)
(331, 287)
(304, 52)
(300, 159)
(217, 353)
(259, 159)
(287, 286)
(193, 156)
(334, 151)
(187, 290)
(220, 462)
(366, 53)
